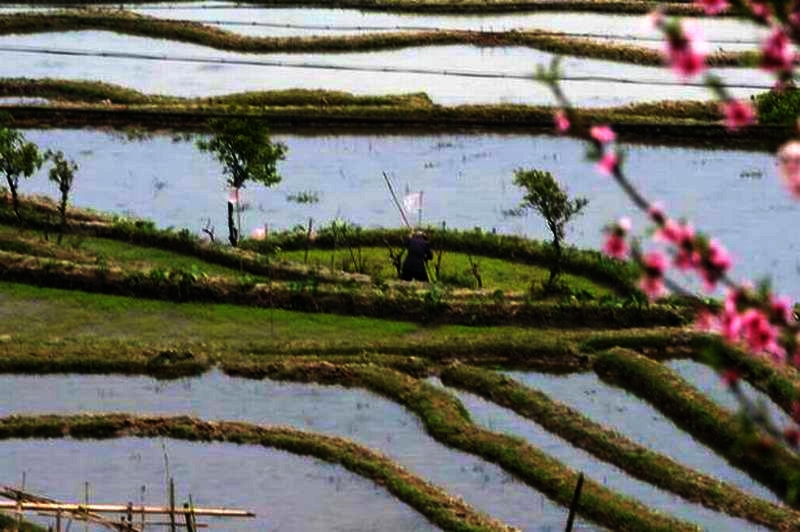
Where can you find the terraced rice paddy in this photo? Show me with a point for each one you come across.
(295, 376)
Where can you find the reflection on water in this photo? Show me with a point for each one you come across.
(351, 413)
(287, 492)
(638, 421)
(500, 419)
(188, 77)
(734, 196)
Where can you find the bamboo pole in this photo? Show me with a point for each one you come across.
(172, 505)
(53, 507)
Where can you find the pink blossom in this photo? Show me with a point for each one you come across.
(715, 264)
(562, 122)
(776, 53)
(706, 321)
(781, 310)
(682, 236)
(652, 282)
(603, 134)
(730, 324)
(687, 50)
(259, 233)
(233, 195)
(792, 436)
(789, 161)
(615, 244)
(758, 333)
(712, 7)
(654, 19)
(608, 163)
(730, 377)
(738, 114)
(759, 9)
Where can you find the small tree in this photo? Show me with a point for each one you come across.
(62, 174)
(247, 153)
(543, 195)
(17, 159)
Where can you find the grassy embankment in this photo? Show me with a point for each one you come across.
(772, 465)
(87, 103)
(614, 448)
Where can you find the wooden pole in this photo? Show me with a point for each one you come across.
(574, 506)
(142, 510)
(172, 505)
(58, 521)
(396, 201)
(86, 500)
(420, 210)
(308, 238)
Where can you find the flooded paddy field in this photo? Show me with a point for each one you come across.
(450, 75)
(286, 491)
(354, 414)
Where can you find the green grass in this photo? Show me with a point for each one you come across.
(495, 273)
(90, 249)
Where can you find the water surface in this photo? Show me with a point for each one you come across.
(355, 414)
(500, 419)
(182, 69)
(287, 492)
(637, 420)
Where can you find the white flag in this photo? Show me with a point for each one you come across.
(413, 202)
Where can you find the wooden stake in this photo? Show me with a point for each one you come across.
(574, 506)
(172, 505)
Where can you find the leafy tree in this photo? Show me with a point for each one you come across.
(545, 196)
(17, 159)
(247, 153)
(62, 174)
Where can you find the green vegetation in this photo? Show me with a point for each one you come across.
(247, 155)
(544, 196)
(441, 509)
(614, 448)
(10, 523)
(769, 463)
(778, 107)
(497, 274)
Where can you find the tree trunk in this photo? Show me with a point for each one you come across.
(555, 265)
(233, 233)
(12, 186)
(63, 210)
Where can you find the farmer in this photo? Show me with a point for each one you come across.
(418, 253)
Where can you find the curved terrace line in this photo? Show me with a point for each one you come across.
(445, 511)
(205, 35)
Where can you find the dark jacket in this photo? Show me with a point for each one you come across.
(418, 252)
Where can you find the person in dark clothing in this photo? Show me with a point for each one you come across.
(418, 253)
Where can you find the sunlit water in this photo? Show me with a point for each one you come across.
(639, 421)
(355, 414)
(183, 75)
(467, 182)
